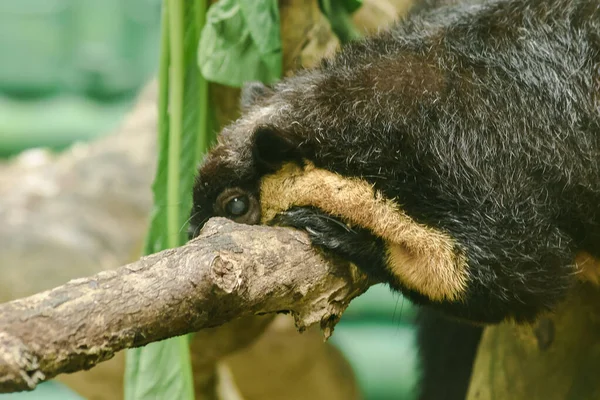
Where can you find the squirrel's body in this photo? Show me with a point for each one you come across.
(478, 124)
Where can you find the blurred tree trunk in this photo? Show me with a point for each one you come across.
(558, 357)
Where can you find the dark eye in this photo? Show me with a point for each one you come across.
(237, 206)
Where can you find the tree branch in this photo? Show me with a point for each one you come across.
(229, 271)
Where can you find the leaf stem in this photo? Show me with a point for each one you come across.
(204, 134)
(163, 77)
(176, 85)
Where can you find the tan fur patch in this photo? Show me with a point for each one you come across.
(422, 258)
(588, 268)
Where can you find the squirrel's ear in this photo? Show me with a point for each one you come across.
(252, 92)
(271, 148)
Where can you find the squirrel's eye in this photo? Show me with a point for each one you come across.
(237, 206)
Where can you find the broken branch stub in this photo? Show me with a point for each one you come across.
(229, 271)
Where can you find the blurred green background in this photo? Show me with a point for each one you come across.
(71, 70)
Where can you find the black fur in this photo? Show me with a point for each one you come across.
(481, 121)
(270, 150)
(251, 93)
(354, 244)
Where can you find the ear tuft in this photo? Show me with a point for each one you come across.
(272, 148)
(251, 93)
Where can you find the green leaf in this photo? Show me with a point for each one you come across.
(241, 42)
(262, 18)
(351, 5)
(158, 371)
(339, 14)
(163, 369)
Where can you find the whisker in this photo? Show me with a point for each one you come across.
(401, 309)
(187, 220)
(395, 308)
(199, 226)
(375, 176)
